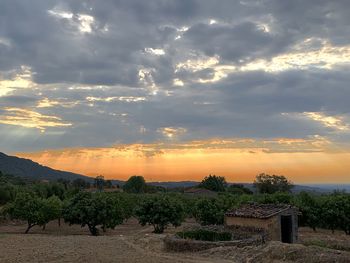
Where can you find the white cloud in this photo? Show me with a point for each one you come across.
(117, 98)
(21, 80)
(335, 122)
(155, 51)
(172, 132)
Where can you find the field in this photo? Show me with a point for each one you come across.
(132, 243)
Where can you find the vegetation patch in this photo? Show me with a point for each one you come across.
(325, 244)
(205, 235)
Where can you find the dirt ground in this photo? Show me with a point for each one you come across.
(131, 242)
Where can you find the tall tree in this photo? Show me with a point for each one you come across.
(270, 184)
(214, 183)
(135, 184)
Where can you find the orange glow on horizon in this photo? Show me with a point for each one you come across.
(177, 164)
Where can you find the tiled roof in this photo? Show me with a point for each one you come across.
(258, 210)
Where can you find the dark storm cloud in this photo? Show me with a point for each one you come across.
(92, 61)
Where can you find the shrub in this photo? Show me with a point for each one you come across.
(205, 235)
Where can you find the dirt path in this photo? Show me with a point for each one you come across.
(124, 244)
(132, 243)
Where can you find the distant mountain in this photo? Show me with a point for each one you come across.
(331, 187)
(250, 186)
(28, 169)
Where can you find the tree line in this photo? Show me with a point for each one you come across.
(38, 204)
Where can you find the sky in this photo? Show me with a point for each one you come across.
(178, 89)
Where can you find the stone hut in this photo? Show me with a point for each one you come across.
(278, 222)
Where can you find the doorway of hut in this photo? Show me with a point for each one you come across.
(286, 229)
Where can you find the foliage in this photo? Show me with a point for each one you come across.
(336, 212)
(160, 211)
(310, 208)
(238, 189)
(209, 212)
(270, 184)
(152, 189)
(214, 183)
(276, 198)
(135, 184)
(205, 235)
(34, 210)
(93, 210)
(7, 193)
(80, 183)
(53, 208)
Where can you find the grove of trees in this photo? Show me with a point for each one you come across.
(38, 203)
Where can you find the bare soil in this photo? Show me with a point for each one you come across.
(131, 242)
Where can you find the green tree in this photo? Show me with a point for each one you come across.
(93, 210)
(29, 208)
(52, 209)
(310, 208)
(135, 184)
(214, 183)
(270, 184)
(160, 211)
(209, 212)
(7, 193)
(336, 212)
(64, 182)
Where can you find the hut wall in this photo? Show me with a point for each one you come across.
(272, 225)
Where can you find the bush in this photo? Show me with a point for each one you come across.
(160, 211)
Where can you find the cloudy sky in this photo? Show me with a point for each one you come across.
(178, 89)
